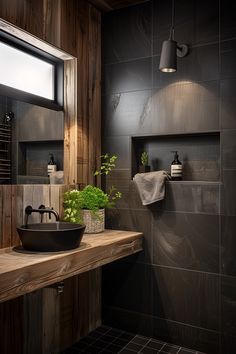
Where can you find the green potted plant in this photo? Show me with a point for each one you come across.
(88, 205)
(144, 167)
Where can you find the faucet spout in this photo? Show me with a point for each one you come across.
(41, 210)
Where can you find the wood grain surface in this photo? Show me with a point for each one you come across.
(22, 272)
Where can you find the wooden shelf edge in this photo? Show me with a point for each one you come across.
(33, 271)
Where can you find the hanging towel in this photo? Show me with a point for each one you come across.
(151, 186)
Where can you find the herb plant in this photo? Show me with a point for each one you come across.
(91, 197)
(144, 158)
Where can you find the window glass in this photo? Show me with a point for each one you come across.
(26, 72)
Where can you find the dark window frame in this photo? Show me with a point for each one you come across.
(58, 64)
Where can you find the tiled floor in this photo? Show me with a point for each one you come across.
(107, 340)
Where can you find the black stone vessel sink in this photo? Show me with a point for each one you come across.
(51, 237)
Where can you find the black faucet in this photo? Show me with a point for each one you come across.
(41, 210)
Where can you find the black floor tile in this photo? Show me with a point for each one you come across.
(107, 340)
(140, 340)
(155, 344)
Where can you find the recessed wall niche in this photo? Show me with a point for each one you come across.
(198, 152)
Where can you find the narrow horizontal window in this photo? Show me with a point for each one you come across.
(26, 72)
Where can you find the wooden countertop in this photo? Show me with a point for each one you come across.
(22, 272)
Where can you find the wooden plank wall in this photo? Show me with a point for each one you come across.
(30, 324)
(74, 26)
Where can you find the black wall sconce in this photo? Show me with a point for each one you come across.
(170, 50)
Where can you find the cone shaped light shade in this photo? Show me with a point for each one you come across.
(168, 61)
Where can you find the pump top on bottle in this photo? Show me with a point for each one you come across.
(176, 168)
(52, 167)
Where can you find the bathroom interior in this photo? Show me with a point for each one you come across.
(161, 278)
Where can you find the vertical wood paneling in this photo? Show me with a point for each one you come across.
(94, 91)
(26, 14)
(17, 212)
(52, 22)
(11, 326)
(32, 322)
(51, 320)
(27, 326)
(6, 216)
(70, 122)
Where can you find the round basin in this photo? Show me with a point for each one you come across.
(51, 237)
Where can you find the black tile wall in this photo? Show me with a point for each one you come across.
(181, 289)
(228, 245)
(227, 19)
(228, 57)
(135, 26)
(196, 22)
(127, 113)
(186, 240)
(186, 107)
(175, 290)
(202, 64)
(228, 104)
(128, 76)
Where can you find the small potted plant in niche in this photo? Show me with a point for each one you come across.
(88, 205)
(144, 167)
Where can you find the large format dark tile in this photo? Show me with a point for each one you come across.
(196, 197)
(162, 329)
(228, 58)
(185, 107)
(119, 146)
(128, 286)
(199, 154)
(228, 344)
(201, 64)
(128, 76)
(228, 306)
(228, 145)
(196, 338)
(196, 22)
(228, 193)
(136, 220)
(127, 113)
(228, 245)
(227, 19)
(126, 34)
(186, 240)
(180, 295)
(228, 104)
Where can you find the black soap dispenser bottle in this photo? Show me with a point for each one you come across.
(176, 168)
(52, 167)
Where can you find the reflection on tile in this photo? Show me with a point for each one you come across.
(186, 241)
(185, 107)
(175, 297)
(127, 113)
(132, 24)
(128, 76)
(136, 220)
(191, 197)
(164, 330)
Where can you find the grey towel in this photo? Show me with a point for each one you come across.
(151, 186)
